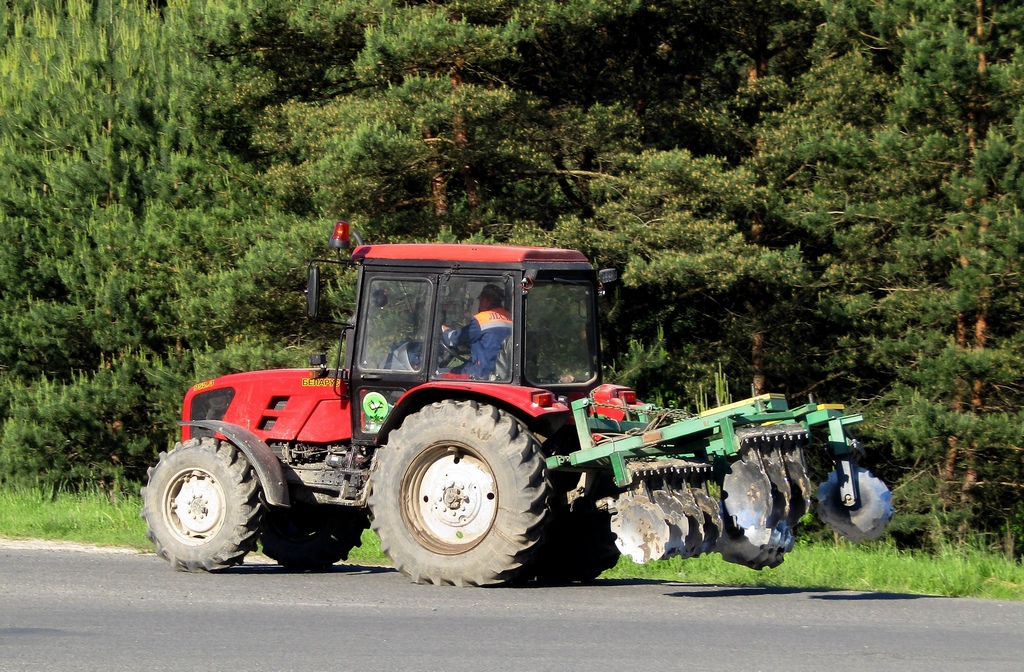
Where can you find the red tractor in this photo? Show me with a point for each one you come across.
(468, 421)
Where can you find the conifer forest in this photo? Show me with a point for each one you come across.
(814, 197)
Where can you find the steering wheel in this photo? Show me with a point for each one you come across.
(404, 356)
(459, 352)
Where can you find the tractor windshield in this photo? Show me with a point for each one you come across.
(475, 338)
(561, 334)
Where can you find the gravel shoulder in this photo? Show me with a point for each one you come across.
(76, 547)
(44, 545)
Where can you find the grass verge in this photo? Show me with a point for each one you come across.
(874, 567)
(89, 518)
(96, 518)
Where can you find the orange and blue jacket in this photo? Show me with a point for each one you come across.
(484, 335)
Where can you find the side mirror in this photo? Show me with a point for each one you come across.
(605, 276)
(313, 292)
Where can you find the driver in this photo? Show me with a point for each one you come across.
(484, 335)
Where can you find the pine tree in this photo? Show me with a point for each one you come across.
(126, 234)
(899, 164)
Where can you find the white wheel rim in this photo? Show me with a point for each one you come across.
(457, 500)
(195, 505)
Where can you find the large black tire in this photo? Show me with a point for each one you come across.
(308, 537)
(579, 545)
(202, 506)
(460, 495)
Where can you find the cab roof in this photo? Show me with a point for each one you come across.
(449, 252)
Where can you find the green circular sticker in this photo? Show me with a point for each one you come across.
(375, 406)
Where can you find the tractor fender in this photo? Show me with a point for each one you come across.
(514, 400)
(263, 460)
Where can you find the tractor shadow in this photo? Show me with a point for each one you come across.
(710, 590)
(265, 567)
(705, 590)
(698, 590)
(268, 568)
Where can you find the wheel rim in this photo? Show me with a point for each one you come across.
(194, 503)
(450, 499)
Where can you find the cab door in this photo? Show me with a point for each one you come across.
(392, 340)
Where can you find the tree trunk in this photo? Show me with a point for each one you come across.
(757, 329)
(460, 136)
(757, 357)
(976, 131)
(438, 184)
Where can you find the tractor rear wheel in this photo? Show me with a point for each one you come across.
(579, 545)
(202, 506)
(459, 495)
(311, 537)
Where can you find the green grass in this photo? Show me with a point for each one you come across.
(95, 518)
(91, 518)
(872, 567)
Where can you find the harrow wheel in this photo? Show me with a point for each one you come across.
(866, 520)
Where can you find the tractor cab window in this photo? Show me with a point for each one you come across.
(396, 315)
(560, 345)
(474, 341)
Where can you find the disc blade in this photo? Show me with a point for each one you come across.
(746, 492)
(640, 528)
(713, 524)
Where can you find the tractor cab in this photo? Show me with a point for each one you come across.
(463, 321)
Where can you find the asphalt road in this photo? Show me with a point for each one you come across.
(69, 609)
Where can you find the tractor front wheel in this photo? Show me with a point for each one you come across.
(202, 506)
(459, 495)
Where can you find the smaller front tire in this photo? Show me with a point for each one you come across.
(202, 506)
